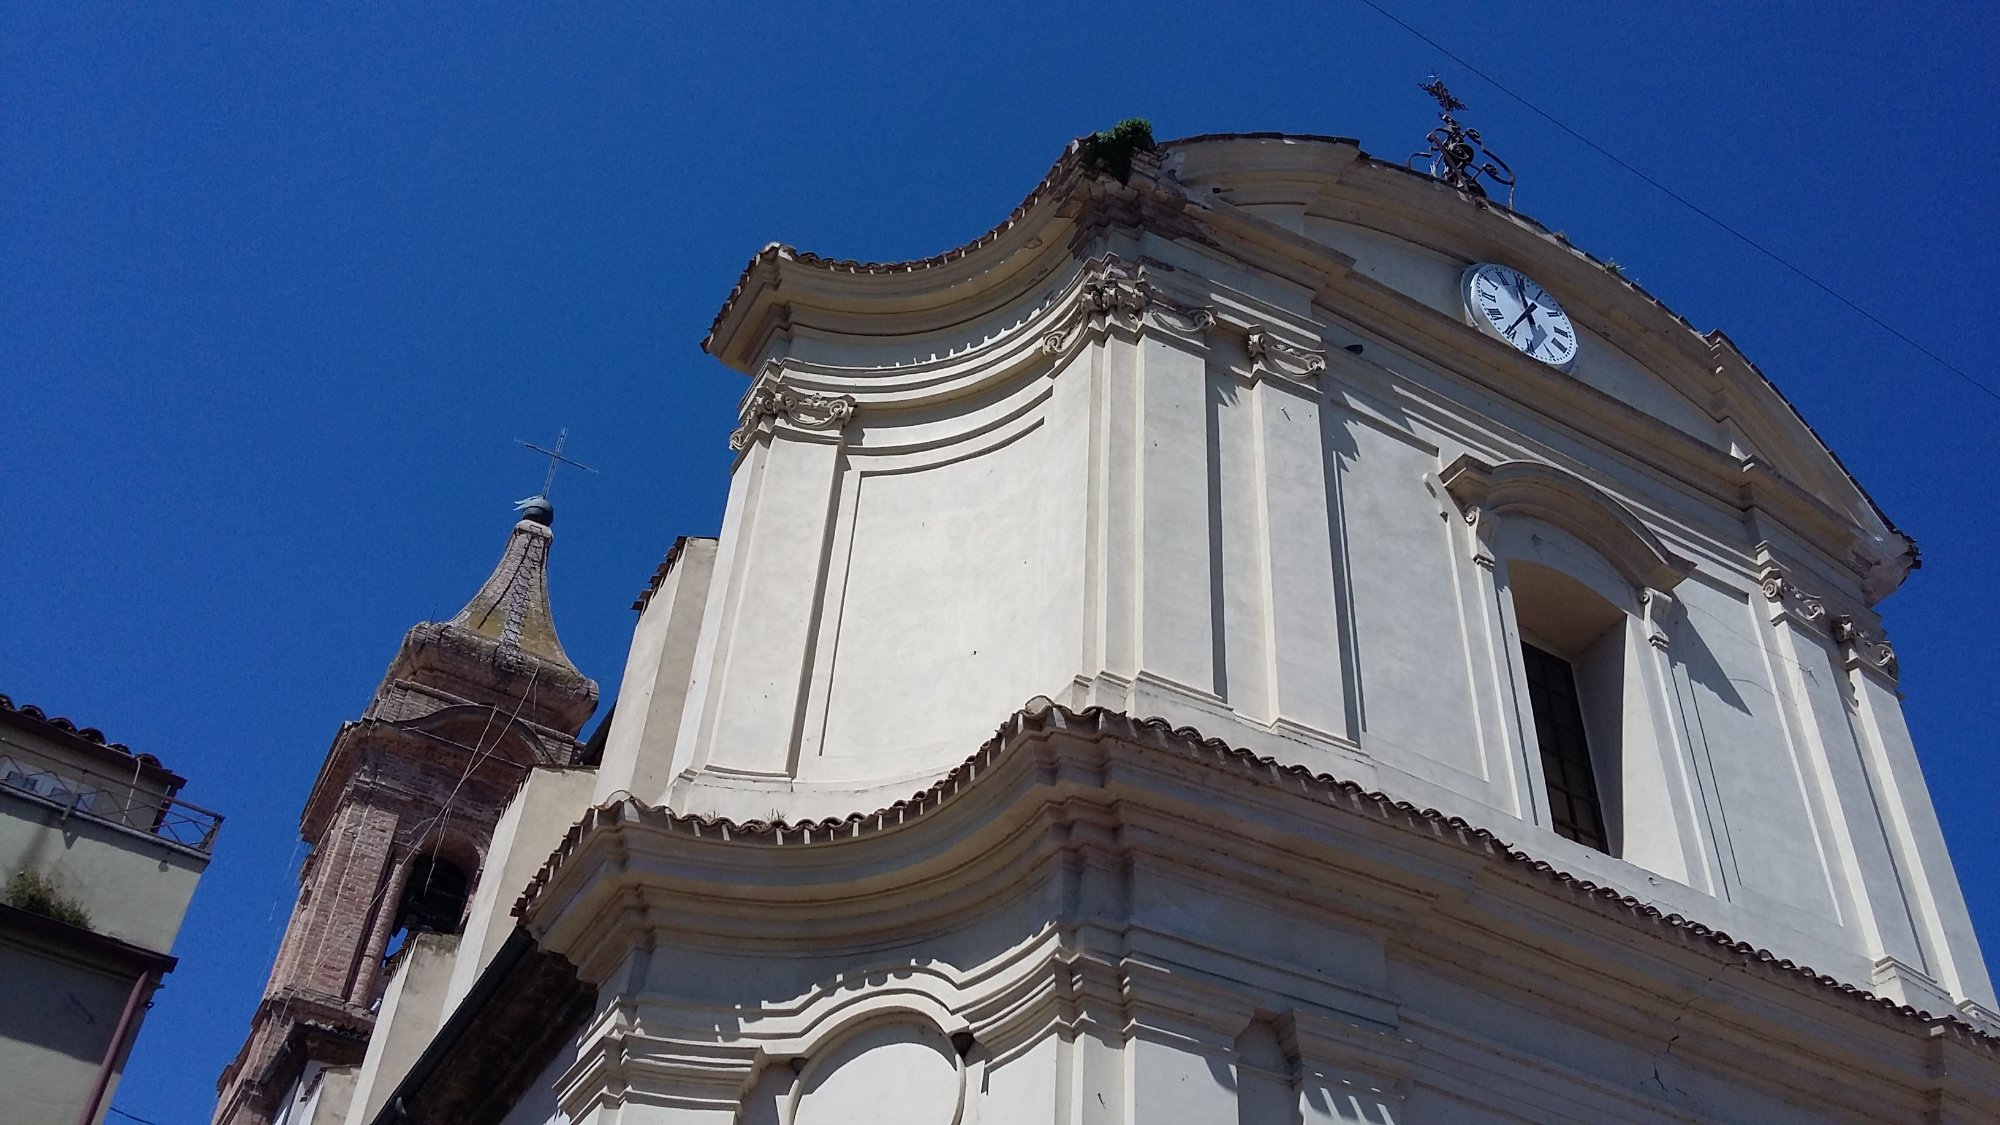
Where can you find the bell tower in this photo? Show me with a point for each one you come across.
(399, 820)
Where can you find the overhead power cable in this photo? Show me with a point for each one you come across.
(1688, 203)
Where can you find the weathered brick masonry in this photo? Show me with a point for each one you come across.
(414, 786)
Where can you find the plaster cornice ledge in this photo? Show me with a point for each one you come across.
(1050, 761)
(1572, 503)
(744, 319)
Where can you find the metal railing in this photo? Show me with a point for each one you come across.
(121, 801)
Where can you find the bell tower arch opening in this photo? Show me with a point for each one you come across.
(436, 892)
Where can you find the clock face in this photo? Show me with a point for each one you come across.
(1505, 303)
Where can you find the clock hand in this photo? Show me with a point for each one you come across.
(1525, 315)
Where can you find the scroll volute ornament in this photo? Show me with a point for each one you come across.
(1270, 356)
(1781, 591)
(1861, 646)
(1114, 292)
(1864, 646)
(808, 410)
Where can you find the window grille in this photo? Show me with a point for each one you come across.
(1575, 810)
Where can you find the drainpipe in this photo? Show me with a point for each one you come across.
(142, 991)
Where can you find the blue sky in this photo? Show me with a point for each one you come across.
(283, 283)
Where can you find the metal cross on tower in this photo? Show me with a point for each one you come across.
(556, 459)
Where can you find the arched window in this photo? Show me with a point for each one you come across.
(1572, 644)
(1582, 581)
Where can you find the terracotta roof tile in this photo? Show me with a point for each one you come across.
(1059, 174)
(1041, 716)
(660, 573)
(67, 726)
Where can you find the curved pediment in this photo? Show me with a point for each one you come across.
(1401, 236)
(1573, 504)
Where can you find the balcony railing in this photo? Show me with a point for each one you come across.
(120, 801)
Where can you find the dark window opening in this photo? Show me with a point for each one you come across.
(1574, 807)
(433, 902)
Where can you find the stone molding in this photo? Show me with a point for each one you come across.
(1569, 502)
(1188, 195)
(1114, 293)
(772, 401)
(1053, 742)
(1866, 649)
(1656, 604)
(1784, 594)
(1861, 648)
(1076, 810)
(1270, 356)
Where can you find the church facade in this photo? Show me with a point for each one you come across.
(1261, 636)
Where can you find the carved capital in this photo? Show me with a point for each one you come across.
(805, 409)
(1479, 529)
(1114, 292)
(1845, 630)
(1273, 357)
(1784, 593)
(1185, 319)
(1864, 647)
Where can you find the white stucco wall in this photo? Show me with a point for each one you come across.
(413, 1008)
(1155, 476)
(543, 808)
(653, 692)
(1096, 929)
(1273, 490)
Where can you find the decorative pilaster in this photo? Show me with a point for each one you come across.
(1181, 1032)
(1819, 712)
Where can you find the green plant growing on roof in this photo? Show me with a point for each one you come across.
(1112, 149)
(38, 894)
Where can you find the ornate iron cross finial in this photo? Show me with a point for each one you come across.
(1445, 99)
(556, 459)
(1457, 155)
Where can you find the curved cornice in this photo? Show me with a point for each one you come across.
(1219, 189)
(776, 263)
(1573, 504)
(816, 845)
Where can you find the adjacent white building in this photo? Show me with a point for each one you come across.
(1272, 639)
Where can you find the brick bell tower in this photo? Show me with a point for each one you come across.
(399, 820)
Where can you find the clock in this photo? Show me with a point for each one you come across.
(1503, 302)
